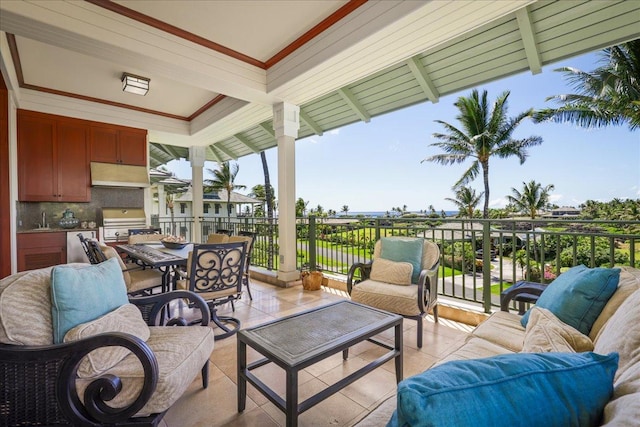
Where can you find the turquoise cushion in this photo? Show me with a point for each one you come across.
(578, 296)
(521, 389)
(403, 250)
(81, 294)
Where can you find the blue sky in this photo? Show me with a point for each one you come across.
(376, 166)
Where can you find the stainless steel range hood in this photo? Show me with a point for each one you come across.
(113, 175)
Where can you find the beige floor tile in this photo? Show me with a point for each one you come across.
(336, 410)
(217, 405)
(367, 389)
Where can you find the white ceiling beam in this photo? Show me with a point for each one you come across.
(311, 123)
(354, 104)
(421, 75)
(214, 153)
(169, 149)
(529, 40)
(226, 151)
(244, 141)
(268, 129)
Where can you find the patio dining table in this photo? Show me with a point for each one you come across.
(155, 255)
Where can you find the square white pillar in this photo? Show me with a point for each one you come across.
(197, 157)
(286, 123)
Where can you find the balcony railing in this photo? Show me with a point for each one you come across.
(480, 258)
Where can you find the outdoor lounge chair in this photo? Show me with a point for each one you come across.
(405, 288)
(46, 383)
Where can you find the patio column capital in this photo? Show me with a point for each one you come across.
(197, 156)
(286, 119)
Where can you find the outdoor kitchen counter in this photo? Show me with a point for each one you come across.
(56, 230)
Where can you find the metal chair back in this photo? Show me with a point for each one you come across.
(92, 250)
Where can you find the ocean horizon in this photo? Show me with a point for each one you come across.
(378, 214)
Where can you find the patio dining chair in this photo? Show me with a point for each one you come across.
(215, 272)
(91, 249)
(218, 238)
(248, 237)
(139, 280)
(402, 278)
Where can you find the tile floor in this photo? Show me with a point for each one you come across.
(217, 405)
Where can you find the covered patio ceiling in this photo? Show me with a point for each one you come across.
(217, 68)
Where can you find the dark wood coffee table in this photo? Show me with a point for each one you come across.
(297, 341)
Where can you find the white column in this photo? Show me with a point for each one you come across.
(286, 122)
(162, 201)
(197, 156)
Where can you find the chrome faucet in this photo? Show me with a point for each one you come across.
(44, 220)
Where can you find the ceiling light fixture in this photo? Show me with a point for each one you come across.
(135, 84)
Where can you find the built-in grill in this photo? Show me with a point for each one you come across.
(118, 221)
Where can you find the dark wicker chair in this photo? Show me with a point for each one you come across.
(39, 382)
(521, 292)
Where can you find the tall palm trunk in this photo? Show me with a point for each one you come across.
(485, 176)
(269, 197)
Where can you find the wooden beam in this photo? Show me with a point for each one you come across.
(421, 75)
(309, 122)
(354, 104)
(226, 151)
(215, 155)
(170, 150)
(529, 40)
(268, 128)
(244, 141)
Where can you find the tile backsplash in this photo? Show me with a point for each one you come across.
(29, 214)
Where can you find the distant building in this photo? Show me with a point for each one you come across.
(214, 203)
(565, 212)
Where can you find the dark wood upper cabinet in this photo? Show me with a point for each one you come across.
(54, 155)
(117, 145)
(73, 162)
(53, 161)
(133, 147)
(104, 144)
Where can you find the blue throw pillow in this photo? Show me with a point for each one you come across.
(81, 294)
(578, 295)
(403, 250)
(521, 389)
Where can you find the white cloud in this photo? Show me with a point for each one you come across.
(555, 197)
(313, 140)
(334, 132)
(498, 203)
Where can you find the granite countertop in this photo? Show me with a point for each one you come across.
(56, 230)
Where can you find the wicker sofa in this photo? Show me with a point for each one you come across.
(55, 384)
(616, 329)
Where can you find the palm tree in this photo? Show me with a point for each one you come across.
(301, 207)
(270, 198)
(609, 95)
(224, 179)
(169, 197)
(345, 209)
(466, 200)
(485, 133)
(532, 198)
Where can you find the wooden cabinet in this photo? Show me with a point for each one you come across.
(40, 249)
(111, 144)
(53, 161)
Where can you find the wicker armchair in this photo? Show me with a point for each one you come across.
(42, 385)
(412, 301)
